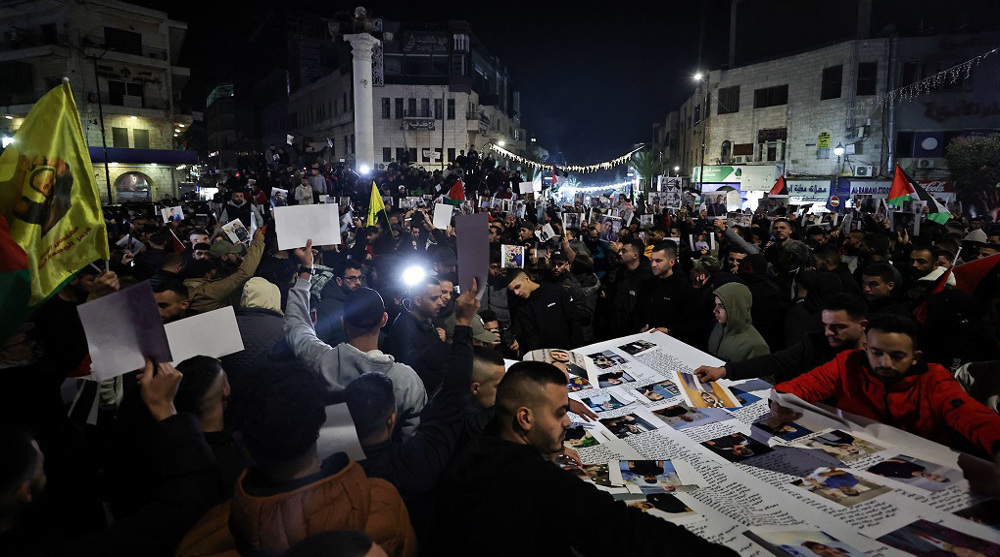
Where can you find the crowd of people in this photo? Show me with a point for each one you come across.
(219, 456)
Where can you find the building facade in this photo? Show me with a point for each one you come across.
(119, 59)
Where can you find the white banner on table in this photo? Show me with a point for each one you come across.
(296, 224)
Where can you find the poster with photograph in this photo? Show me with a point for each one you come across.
(840, 486)
(636, 347)
(774, 205)
(668, 507)
(672, 198)
(785, 431)
(609, 228)
(659, 391)
(716, 204)
(628, 425)
(613, 378)
(603, 402)
(579, 436)
(172, 213)
(797, 542)
(572, 221)
(681, 416)
(573, 364)
(705, 395)
(607, 359)
(916, 472)
(645, 220)
(649, 476)
(842, 445)
(739, 219)
(238, 234)
(924, 538)
(512, 257)
(736, 447)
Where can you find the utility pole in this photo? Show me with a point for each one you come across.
(104, 137)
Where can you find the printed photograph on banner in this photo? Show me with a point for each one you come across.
(649, 476)
(172, 213)
(924, 538)
(840, 486)
(237, 233)
(572, 220)
(512, 257)
(802, 543)
(571, 363)
(576, 384)
(736, 447)
(602, 402)
(786, 431)
(844, 446)
(916, 472)
(699, 243)
(279, 197)
(606, 359)
(664, 505)
(656, 392)
(627, 425)
(613, 378)
(705, 395)
(636, 347)
(579, 437)
(986, 513)
(739, 219)
(598, 473)
(645, 220)
(681, 416)
(609, 228)
(743, 397)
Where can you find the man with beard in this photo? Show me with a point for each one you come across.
(890, 382)
(222, 285)
(239, 208)
(667, 302)
(562, 275)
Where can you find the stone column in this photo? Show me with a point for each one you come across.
(364, 114)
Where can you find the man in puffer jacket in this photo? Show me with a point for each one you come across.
(341, 364)
(734, 338)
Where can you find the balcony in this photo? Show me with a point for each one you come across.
(142, 54)
(20, 44)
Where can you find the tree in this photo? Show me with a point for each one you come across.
(647, 164)
(973, 163)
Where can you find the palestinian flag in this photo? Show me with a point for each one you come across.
(904, 188)
(779, 187)
(15, 282)
(456, 195)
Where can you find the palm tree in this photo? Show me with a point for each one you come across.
(647, 164)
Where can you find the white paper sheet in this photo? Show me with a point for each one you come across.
(442, 216)
(214, 334)
(297, 223)
(526, 187)
(338, 434)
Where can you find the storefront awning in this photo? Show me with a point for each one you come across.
(143, 156)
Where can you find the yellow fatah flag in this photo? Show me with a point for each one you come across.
(374, 205)
(48, 195)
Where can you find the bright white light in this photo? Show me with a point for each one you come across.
(838, 150)
(112, 164)
(134, 117)
(413, 275)
(698, 76)
(181, 167)
(8, 116)
(677, 169)
(501, 143)
(364, 169)
(7, 140)
(180, 125)
(152, 164)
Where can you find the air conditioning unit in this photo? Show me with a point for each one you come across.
(864, 171)
(925, 163)
(739, 159)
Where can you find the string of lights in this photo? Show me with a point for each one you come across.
(607, 165)
(926, 85)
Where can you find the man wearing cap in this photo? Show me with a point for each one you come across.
(364, 316)
(208, 292)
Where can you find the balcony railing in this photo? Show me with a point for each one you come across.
(95, 41)
(19, 39)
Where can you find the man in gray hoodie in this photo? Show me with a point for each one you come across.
(339, 365)
(734, 338)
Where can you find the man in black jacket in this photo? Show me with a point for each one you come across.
(415, 341)
(668, 302)
(496, 474)
(547, 318)
(845, 318)
(622, 287)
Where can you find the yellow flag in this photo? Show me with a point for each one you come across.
(374, 205)
(48, 194)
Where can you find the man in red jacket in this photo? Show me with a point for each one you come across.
(889, 382)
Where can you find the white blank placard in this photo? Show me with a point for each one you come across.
(527, 187)
(214, 334)
(297, 223)
(442, 216)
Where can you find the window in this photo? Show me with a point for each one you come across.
(451, 109)
(399, 153)
(425, 108)
(451, 154)
(386, 109)
(697, 114)
(399, 108)
(119, 137)
(125, 94)
(425, 155)
(904, 144)
(729, 100)
(413, 154)
(867, 78)
(770, 96)
(833, 78)
(411, 107)
(123, 41)
(386, 154)
(911, 73)
(50, 34)
(140, 139)
(438, 108)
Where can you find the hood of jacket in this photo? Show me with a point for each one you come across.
(258, 293)
(737, 300)
(350, 358)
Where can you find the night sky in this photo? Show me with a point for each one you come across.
(593, 80)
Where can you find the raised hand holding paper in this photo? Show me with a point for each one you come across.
(442, 216)
(472, 235)
(297, 223)
(124, 328)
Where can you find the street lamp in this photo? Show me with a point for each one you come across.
(839, 152)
